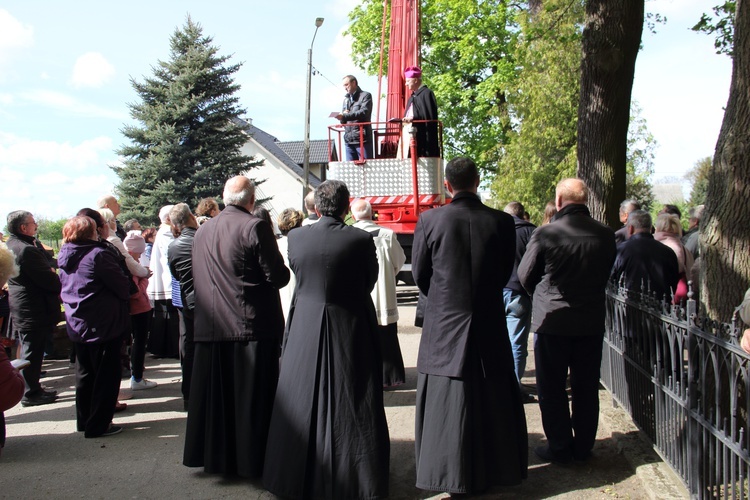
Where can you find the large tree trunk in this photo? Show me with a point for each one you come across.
(725, 227)
(611, 39)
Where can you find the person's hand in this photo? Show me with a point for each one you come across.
(150, 272)
(745, 341)
(340, 116)
(407, 120)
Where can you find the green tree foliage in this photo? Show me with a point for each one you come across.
(640, 159)
(518, 117)
(467, 60)
(721, 24)
(50, 231)
(698, 176)
(187, 141)
(541, 148)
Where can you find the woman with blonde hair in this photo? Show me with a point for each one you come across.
(12, 385)
(288, 219)
(668, 232)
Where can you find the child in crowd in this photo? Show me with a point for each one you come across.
(140, 313)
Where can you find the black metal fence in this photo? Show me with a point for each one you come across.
(686, 383)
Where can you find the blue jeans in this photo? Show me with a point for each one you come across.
(353, 151)
(518, 319)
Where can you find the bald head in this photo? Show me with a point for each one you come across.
(571, 192)
(110, 202)
(240, 191)
(361, 209)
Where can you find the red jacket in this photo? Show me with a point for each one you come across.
(139, 302)
(11, 384)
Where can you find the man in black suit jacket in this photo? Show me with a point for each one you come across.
(565, 268)
(180, 259)
(237, 272)
(644, 263)
(469, 408)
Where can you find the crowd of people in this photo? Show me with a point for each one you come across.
(287, 341)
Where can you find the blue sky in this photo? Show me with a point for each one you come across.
(65, 70)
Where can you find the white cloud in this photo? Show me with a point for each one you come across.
(65, 102)
(339, 10)
(91, 70)
(20, 154)
(341, 53)
(13, 34)
(53, 179)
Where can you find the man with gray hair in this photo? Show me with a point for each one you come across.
(691, 239)
(626, 207)
(642, 263)
(34, 302)
(391, 259)
(180, 257)
(164, 338)
(312, 217)
(238, 271)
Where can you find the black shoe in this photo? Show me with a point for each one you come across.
(111, 431)
(582, 457)
(527, 398)
(546, 454)
(43, 398)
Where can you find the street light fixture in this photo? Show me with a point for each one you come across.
(306, 154)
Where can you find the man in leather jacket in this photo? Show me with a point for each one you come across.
(180, 258)
(357, 108)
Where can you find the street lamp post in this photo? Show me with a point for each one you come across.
(306, 153)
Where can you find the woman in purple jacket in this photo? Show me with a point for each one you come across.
(95, 293)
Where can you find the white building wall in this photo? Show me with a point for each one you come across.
(280, 184)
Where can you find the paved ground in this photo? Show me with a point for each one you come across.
(45, 458)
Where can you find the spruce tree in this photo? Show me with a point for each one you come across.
(188, 139)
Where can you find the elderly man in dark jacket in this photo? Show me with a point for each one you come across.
(237, 271)
(180, 258)
(34, 302)
(469, 408)
(566, 268)
(644, 263)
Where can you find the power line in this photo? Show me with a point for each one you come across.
(316, 72)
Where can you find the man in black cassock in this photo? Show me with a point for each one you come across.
(470, 423)
(328, 435)
(421, 106)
